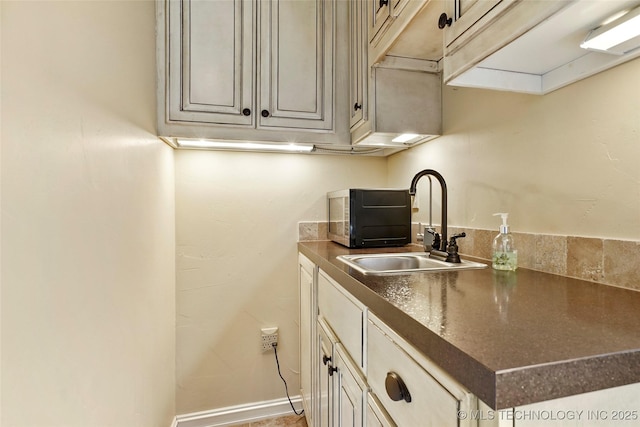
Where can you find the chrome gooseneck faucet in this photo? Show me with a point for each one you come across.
(447, 250)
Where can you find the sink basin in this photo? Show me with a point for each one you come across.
(403, 263)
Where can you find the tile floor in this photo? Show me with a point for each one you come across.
(288, 421)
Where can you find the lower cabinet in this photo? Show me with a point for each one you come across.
(376, 416)
(360, 369)
(350, 391)
(356, 371)
(341, 389)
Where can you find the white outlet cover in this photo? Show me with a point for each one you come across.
(269, 331)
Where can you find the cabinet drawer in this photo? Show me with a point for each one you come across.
(430, 403)
(344, 314)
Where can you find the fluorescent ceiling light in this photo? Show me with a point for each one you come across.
(242, 146)
(612, 37)
(404, 137)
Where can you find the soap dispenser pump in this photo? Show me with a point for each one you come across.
(504, 254)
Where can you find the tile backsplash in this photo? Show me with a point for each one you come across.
(606, 261)
(309, 231)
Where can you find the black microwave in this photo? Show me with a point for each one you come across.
(368, 218)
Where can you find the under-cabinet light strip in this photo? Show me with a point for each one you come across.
(405, 137)
(242, 146)
(614, 33)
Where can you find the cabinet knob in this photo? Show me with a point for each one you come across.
(444, 21)
(396, 388)
(332, 369)
(265, 113)
(384, 3)
(246, 112)
(325, 359)
(357, 106)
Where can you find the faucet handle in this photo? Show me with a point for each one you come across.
(457, 236)
(433, 240)
(452, 248)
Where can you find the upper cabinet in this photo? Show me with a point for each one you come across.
(252, 70)
(480, 28)
(512, 45)
(527, 46)
(405, 105)
(388, 22)
(358, 63)
(395, 100)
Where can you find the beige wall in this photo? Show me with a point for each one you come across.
(87, 219)
(236, 232)
(564, 163)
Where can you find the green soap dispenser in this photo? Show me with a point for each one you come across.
(504, 254)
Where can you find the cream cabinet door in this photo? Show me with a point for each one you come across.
(211, 61)
(379, 12)
(350, 391)
(296, 64)
(307, 273)
(324, 366)
(358, 65)
(466, 13)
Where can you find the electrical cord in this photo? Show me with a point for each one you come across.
(286, 389)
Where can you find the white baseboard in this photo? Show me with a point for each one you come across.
(239, 414)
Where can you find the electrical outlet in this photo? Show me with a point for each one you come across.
(269, 338)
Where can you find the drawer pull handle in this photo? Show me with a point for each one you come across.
(396, 388)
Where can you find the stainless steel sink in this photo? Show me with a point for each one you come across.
(403, 263)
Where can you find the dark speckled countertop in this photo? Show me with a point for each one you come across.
(510, 338)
